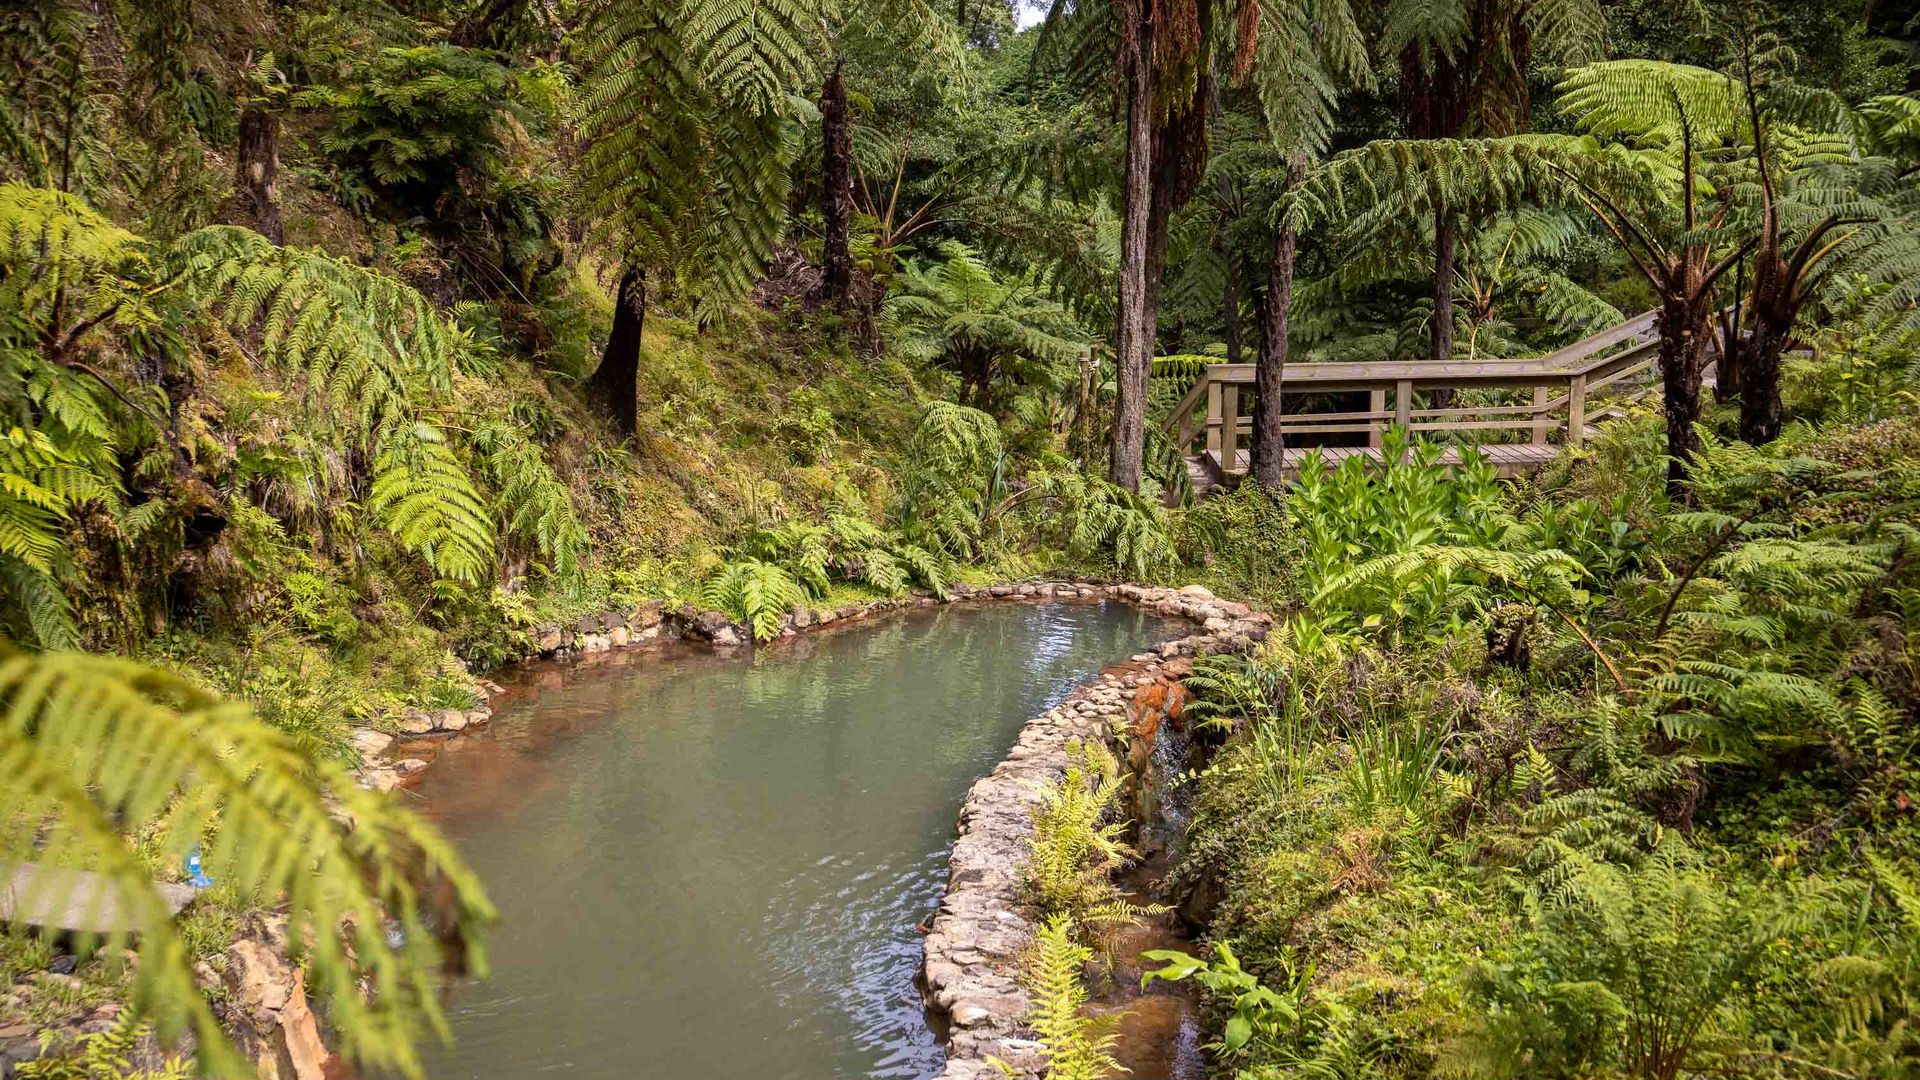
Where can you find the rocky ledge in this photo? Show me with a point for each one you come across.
(972, 952)
(384, 749)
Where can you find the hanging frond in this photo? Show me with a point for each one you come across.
(98, 749)
(423, 495)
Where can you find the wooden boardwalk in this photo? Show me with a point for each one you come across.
(1549, 402)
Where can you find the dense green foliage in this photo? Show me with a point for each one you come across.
(347, 345)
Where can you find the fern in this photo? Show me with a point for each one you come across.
(98, 749)
(686, 148)
(758, 594)
(360, 338)
(534, 505)
(104, 1055)
(1075, 1046)
(424, 496)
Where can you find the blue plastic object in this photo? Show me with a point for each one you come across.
(196, 874)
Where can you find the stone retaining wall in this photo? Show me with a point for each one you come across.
(973, 950)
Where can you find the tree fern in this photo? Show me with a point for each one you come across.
(99, 749)
(424, 496)
(360, 338)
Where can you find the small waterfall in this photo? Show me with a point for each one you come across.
(1166, 795)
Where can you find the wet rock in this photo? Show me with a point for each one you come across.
(618, 637)
(709, 624)
(409, 766)
(726, 635)
(415, 722)
(450, 720)
(548, 639)
(587, 624)
(802, 617)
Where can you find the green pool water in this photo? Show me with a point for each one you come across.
(710, 868)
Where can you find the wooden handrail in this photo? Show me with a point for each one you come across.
(1561, 383)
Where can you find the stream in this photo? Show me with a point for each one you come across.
(712, 867)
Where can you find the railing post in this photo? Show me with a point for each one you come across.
(1186, 431)
(1376, 403)
(1577, 410)
(1230, 430)
(1213, 419)
(1403, 404)
(1541, 395)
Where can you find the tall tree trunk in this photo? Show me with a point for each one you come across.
(1230, 304)
(1268, 467)
(615, 384)
(1134, 357)
(1230, 283)
(836, 193)
(255, 202)
(1446, 246)
(1683, 336)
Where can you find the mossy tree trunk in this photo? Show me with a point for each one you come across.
(1134, 357)
(1268, 465)
(615, 384)
(836, 192)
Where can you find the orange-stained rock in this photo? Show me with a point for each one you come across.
(1176, 700)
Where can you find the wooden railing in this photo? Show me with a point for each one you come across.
(1564, 390)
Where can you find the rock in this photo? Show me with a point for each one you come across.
(479, 716)
(646, 615)
(726, 635)
(409, 766)
(273, 1024)
(618, 637)
(370, 743)
(709, 624)
(1197, 592)
(802, 617)
(415, 722)
(1214, 626)
(64, 964)
(611, 619)
(548, 638)
(381, 780)
(587, 624)
(1000, 590)
(648, 634)
(450, 720)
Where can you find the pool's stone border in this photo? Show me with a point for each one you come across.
(384, 749)
(973, 951)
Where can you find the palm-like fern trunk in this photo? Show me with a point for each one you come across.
(1683, 335)
(255, 202)
(1134, 357)
(1269, 438)
(836, 193)
(615, 385)
(1446, 247)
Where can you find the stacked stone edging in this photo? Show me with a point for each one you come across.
(973, 950)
